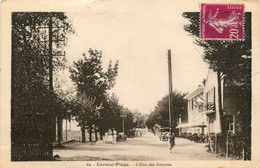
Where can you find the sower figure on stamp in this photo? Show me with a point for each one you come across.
(171, 139)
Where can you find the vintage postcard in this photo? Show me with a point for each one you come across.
(133, 83)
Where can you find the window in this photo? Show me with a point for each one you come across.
(229, 121)
(210, 99)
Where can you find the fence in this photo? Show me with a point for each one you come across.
(76, 135)
(31, 152)
(31, 138)
(237, 146)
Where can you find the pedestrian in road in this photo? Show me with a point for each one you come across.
(171, 139)
(106, 137)
(110, 137)
(114, 135)
(153, 132)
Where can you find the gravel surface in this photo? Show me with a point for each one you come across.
(145, 148)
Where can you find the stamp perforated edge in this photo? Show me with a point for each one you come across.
(222, 39)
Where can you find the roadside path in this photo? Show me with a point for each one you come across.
(146, 148)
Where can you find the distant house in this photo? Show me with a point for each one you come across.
(196, 118)
(69, 129)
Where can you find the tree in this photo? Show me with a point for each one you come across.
(129, 118)
(112, 117)
(83, 108)
(139, 119)
(225, 56)
(91, 80)
(231, 59)
(30, 95)
(153, 119)
(160, 115)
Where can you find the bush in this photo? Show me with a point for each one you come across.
(199, 138)
(232, 145)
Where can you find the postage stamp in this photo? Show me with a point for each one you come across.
(222, 21)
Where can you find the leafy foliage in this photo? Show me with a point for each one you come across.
(90, 78)
(92, 81)
(160, 115)
(232, 58)
(30, 96)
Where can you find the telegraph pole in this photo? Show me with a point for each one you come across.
(54, 31)
(123, 124)
(51, 80)
(52, 37)
(170, 90)
(50, 56)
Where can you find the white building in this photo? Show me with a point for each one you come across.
(196, 118)
(203, 107)
(70, 130)
(211, 108)
(235, 118)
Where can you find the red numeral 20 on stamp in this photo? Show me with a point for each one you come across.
(222, 21)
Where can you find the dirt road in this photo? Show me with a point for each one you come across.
(145, 148)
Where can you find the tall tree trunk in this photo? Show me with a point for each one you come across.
(59, 120)
(90, 133)
(101, 132)
(220, 101)
(101, 137)
(95, 129)
(83, 132)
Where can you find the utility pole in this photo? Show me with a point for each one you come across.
(51, 80)
(124, 125)
(53, 135)
(50, 56)
(123, 116)
(51, 86)
(170, 90)
(50, 35)
(66, 127)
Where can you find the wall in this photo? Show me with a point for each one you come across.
(211, 82)
(195, 115)
(73, 131)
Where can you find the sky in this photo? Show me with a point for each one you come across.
(139, 36)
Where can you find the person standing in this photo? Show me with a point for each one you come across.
(106, 137)
(114, 136)
(171, 139)
(110, 137)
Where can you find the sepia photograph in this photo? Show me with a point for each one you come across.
(130, 83)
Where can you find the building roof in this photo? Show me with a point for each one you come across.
(196, 92)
